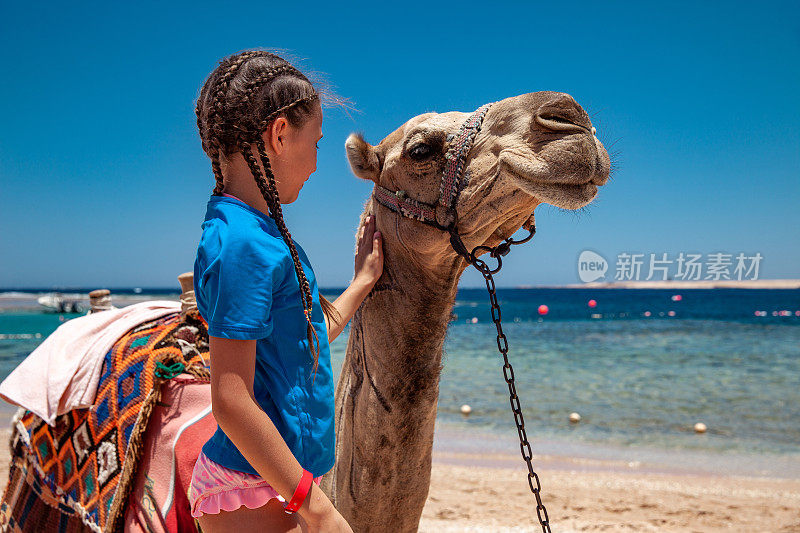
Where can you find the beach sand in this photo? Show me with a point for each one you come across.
(498, 499)
(585, 495)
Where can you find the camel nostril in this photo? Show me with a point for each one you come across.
(556, 123)
(563, 114)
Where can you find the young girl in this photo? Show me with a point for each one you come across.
(271, 381)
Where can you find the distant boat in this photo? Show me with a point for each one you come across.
(55, 302)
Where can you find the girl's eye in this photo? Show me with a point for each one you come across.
(317, 145)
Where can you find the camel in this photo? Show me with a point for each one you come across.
(533, 148)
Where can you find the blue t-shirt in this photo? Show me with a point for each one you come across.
(246, 288)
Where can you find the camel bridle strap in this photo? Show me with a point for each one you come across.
(443, 215)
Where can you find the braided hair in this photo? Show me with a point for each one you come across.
(237, 103)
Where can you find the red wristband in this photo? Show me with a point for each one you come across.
(300, 492)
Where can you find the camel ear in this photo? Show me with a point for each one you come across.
(363, 157)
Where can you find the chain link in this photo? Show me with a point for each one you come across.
(508, 371)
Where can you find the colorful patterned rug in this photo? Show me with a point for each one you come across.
(85, 466)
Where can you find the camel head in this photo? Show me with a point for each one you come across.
(533, 148)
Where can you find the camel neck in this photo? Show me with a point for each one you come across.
(407, 353)
(387, 394)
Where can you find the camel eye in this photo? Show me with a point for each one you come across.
(420, 151)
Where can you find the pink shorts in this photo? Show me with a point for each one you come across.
(215, 488)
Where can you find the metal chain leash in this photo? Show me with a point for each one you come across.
(508, 371)
(454, 180)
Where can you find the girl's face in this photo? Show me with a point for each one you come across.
(293, 153)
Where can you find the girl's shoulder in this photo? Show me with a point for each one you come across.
(240, 217)
(239, 238)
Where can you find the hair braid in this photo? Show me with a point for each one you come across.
(265, 76)
(271, 188)
(270, 194)
(266, 184)
(219, 90)
(265, 122)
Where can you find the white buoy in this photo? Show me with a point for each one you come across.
(474, 320)
(466, 409)
(574, 418)
(700, 428)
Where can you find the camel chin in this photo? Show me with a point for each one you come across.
(562, 195)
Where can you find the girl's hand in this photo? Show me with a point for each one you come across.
(320, 516)
(333, 523)
(369, 254)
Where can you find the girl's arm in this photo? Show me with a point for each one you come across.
(347, 303)
(251, 429)
(368, 268)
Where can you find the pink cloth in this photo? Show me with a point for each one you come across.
(63, 372)
(179, 426)
(216, 488)
(232, 196)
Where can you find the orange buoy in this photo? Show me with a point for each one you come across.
(592, 303)
(543, 309)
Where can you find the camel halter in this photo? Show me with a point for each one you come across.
(443, 215)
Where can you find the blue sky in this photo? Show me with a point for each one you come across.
(103, 181)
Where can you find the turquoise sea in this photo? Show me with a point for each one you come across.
(729, 358)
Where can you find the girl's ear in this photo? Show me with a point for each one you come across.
(276, 134)
(363, 158)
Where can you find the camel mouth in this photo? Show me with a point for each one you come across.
(535, 176)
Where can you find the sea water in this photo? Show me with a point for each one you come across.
(641, 367)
